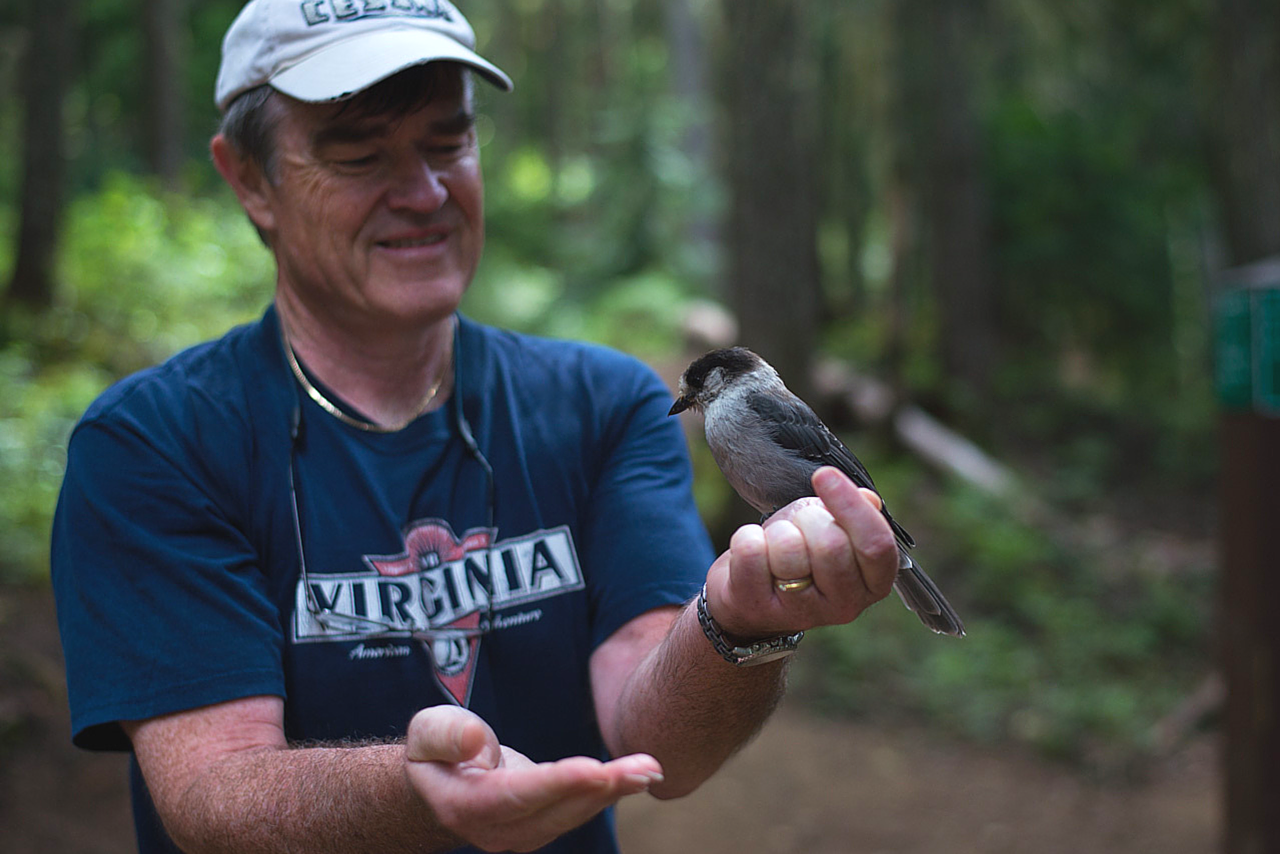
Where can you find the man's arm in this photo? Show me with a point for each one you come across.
(223, 779)
(659, 687)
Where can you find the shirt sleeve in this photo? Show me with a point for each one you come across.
(162, 605)
(643, 537)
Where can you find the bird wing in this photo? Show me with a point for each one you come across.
(796, 427)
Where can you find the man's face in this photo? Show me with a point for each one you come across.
(377, 219)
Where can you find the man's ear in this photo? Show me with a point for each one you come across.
(247, 180)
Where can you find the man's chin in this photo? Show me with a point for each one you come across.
(423, 304)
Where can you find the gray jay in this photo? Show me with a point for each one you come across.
(768, 443)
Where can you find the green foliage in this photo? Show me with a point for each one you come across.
(640, 314)
(146, 274)
(1099, 189)
(38, 407)
(1072, 649)
(1084, 258)
(1140, 456)
(1099, 201)
(143, 275)
(108, 102)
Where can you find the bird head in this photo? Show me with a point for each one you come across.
(708, 376)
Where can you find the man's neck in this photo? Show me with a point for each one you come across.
(386, 376)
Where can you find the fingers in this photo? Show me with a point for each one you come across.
(785, 546)
(495, 797)
(839, 541)
(858, 512)
(562, 795)
(739, 582)
(569, 786)
(829, 552)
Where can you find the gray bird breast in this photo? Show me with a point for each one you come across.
(766, 475)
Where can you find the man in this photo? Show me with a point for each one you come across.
(368, 576)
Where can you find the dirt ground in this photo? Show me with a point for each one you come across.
(807, 784)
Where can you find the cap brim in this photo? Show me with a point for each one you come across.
(351, 66)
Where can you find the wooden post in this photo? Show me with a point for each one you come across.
(1248, 368)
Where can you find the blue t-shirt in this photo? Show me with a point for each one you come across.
(176, 555)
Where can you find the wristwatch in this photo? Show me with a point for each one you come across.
(760, 652)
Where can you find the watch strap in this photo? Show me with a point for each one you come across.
(759, 652)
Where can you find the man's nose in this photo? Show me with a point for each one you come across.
(417, 186)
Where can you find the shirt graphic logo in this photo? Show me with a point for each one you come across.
(439, 589)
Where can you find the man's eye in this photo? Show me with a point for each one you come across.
(449, 146)
(355, 162)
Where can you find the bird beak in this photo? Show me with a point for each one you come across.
(681, 404)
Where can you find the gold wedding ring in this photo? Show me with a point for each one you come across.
(792, 585)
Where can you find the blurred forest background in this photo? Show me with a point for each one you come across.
(1003, 216)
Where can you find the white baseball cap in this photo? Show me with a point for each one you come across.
(325, 50)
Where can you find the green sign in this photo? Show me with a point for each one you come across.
(1247, 340)
(1266, 349)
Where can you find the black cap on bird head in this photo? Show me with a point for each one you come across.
(707, 375)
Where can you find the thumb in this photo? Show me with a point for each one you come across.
(451, 734)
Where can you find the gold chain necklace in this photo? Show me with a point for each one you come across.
(332, 408)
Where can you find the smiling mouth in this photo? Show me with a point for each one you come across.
(414, 242)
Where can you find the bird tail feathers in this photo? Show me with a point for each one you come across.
(920, 594)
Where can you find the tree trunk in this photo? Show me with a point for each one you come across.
(955, 201)
(909, 90)
(846, 121)
(771, 150)
(1246, 116)
(687, 48)
(939, 161)
(43, 153)
(1248, 634)
(164, 35)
